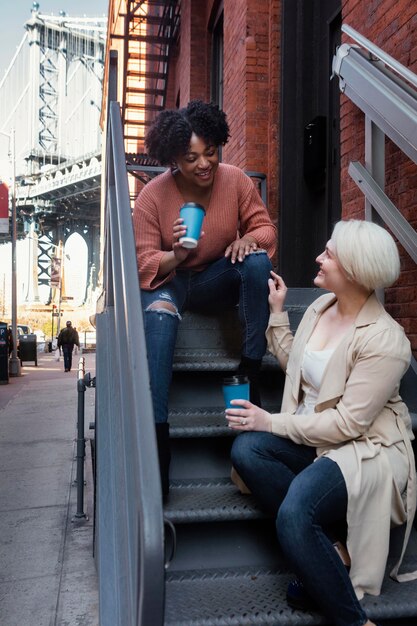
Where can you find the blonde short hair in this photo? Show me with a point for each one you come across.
(367, 253)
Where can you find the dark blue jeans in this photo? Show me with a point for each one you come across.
(222, 285)
(67, 349)
(309, 499)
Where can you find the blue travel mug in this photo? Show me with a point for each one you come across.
(193, 215)
(235, 388)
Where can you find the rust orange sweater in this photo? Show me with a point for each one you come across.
(235, 206)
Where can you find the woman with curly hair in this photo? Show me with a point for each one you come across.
(230, 264)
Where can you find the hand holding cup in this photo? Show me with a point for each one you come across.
(192, 215)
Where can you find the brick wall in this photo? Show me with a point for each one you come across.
(251, 88)
(189, 76)
(251, 78)
(391, 25)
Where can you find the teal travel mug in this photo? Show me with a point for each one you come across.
(235, 388)
(193, 215)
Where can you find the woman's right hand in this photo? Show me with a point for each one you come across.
(277, 293)
(179, 230)
(172, 258)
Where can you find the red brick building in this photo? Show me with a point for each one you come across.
(268, 64)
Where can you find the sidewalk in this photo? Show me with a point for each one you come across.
(48, 575)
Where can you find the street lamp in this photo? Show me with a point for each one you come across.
(14, 363)
(61, 254)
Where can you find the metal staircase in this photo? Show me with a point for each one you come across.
(222, 562)
(150, 30)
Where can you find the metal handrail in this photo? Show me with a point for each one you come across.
(398, 114)
(380, 54)
(389, 106)
(388, 212)
(129, 531)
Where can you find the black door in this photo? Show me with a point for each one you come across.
(310, 136)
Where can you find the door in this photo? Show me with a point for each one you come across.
(310, 136)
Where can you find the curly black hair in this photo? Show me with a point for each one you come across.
(169, 135)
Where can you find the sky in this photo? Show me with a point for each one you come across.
(14, 13)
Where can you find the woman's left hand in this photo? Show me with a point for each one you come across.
(248, 416)
(241, 248)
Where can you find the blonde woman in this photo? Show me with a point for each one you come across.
(339, 454)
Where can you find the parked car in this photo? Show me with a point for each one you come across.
(22, 329)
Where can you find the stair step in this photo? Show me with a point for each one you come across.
(139, 56)
(239, 597)
(198, 423)
(213, 360)
(207, 360)
(208, 500)
(187, 423)
(256, 597)
(144, 106)
(159, 40)
(142, 75)
(145, 18)
(144, 91)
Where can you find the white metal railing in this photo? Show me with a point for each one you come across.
(386, 92)
(378, 53)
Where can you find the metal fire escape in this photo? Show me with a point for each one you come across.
(150, 29)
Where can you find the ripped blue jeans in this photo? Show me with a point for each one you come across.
(221, 285)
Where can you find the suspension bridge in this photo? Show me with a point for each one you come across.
(50, 142)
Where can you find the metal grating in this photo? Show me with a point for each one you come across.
(187, 423)
(251, 597)
(208, 500)
(232, 598)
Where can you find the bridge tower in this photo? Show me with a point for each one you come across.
(51, 97)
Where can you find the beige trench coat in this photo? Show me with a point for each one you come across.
(358, 414)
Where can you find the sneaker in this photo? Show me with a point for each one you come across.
(298, 597)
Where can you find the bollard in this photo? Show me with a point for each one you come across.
(81, 387)
(83, 381)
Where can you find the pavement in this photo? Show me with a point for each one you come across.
(47, 574)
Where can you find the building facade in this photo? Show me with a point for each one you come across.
(268, 64)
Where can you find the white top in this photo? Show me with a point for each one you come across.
(312, 370)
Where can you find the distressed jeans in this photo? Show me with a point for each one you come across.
(309, 499)
(221, 285)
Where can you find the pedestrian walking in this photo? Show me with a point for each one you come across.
(67, 339)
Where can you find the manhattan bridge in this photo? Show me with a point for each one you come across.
(50, 104)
